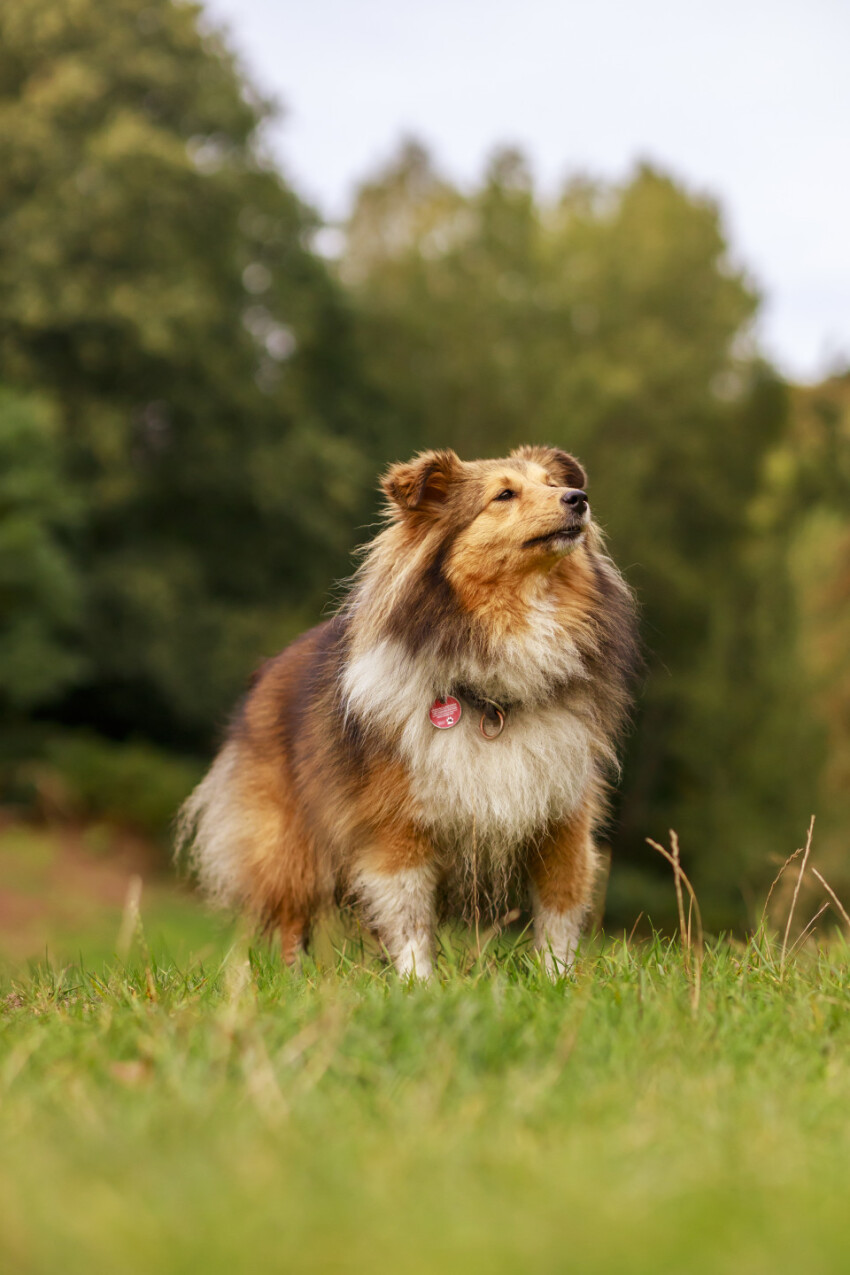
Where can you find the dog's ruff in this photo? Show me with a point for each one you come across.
(460, 784)
(333, 780)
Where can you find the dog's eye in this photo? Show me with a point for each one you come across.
(507, 494)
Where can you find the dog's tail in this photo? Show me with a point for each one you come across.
(209, 831)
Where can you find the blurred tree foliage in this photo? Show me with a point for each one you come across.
(40, 585)
(612, 322)
(196, 406)
(813, 467)
(158, 283)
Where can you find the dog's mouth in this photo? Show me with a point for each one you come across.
(561, 535)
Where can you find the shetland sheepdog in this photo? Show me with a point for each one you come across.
(453, 723)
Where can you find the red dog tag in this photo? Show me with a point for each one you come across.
(444, 713)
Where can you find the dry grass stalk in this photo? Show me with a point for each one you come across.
(261, 1083)
(130, 917)
(693, 952)
(839, 905)
(634, 927)
(684, 929)
(775, 882)
(803, 933)
(806, 853)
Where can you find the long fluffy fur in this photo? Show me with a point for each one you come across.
(332, 775)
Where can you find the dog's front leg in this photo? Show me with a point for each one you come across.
(562, 875)
(396, 886)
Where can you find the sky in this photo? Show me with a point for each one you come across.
(747, 100)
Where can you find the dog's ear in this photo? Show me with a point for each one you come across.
(421, 485)
(563, 467)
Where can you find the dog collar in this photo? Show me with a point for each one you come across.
(491, 710)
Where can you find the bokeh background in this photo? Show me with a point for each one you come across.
(220, 319)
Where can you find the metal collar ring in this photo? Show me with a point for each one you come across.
(501, 726)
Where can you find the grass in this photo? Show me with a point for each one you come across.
(195, 1106)
(226, 1114)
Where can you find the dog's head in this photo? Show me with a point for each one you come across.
(499, 519)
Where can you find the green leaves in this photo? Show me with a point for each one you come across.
(40, 588)
(158, 287)
(196, 408)
(611, 322)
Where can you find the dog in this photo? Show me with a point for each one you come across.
(449, 729)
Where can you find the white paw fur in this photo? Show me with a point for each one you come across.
(400, 907)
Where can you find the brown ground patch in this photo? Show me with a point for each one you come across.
(57, 881)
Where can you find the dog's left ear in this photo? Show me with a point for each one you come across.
(421, 485)
(563, 467)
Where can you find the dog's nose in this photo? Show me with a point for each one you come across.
(575, 500)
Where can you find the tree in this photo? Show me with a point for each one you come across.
(810, 474)
(40, 590)
(157, 280)
(613, 322)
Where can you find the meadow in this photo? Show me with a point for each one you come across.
(198, 393)
(176, 1111)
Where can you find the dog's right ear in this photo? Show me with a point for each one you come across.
(421, 485)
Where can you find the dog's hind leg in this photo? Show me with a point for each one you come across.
(294, 928)
(284, 882)
(292, 878)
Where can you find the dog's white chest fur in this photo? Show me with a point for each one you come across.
(505, 790)
(501, 792)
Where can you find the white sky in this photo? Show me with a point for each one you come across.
(746, 99)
